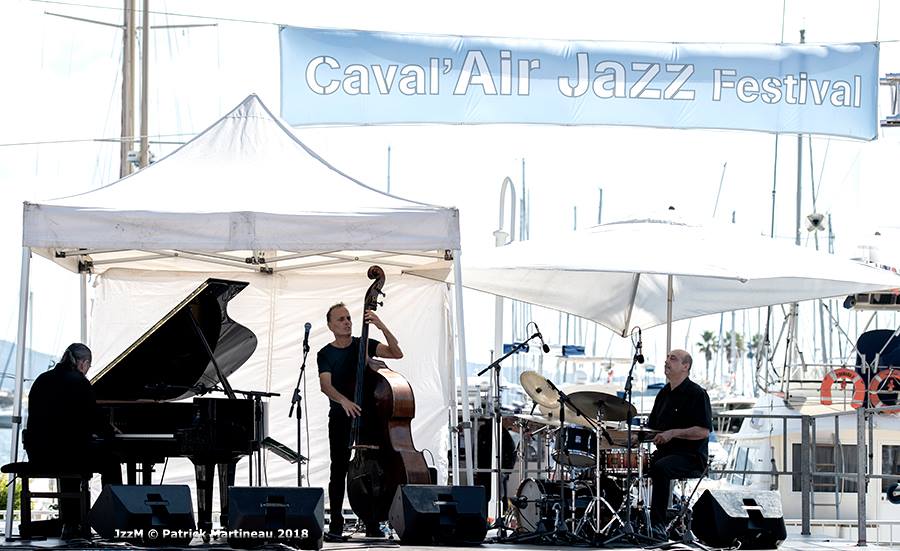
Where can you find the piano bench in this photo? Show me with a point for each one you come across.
(25, 471)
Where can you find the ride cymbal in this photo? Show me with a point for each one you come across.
(605, 406)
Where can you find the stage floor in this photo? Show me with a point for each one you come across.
(793, 543)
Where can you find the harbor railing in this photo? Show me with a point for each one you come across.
(809, 473)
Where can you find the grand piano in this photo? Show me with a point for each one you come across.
(143, 395)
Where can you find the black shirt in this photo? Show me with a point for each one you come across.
(342, 364)
(686, 406)
(62, 415)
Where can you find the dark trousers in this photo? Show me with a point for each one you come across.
(663, 470)
(97, 460)
(338, 444)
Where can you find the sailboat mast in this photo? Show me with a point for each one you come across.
(128, 39)
(791, 352)
(145, 85)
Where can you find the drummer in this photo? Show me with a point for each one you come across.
(683, 413)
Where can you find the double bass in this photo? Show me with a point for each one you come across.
(384, 456)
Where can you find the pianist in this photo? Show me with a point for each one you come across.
(61, 428)
(337, 363)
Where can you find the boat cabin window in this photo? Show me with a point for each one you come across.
(890, 464)
(827, 461)
(744, 458)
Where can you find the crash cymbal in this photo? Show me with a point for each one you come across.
(610, 408)
(532, 422)
(538, 388)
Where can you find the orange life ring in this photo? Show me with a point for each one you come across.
(843, 376)
(891, 376)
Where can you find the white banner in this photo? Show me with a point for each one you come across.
(356, 77)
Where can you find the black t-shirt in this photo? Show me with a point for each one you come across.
(342, 364)
(686, 406)
(62, 415)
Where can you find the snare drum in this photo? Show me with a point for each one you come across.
(576, 447)
(618, 462)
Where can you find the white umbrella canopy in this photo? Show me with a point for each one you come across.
(618, 274)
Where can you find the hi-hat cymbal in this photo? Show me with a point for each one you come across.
(573, 418)
(608, 407)
(532, 422)
(538, 388)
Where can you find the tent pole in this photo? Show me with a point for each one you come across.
(20, 375)
(82, 291)
(454, 415)
(669, 299)
(463, 368)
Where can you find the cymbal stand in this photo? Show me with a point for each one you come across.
(499, 523)
(627, 529)
(560, 525)
(522, 453)
(594, 507)
(563, 400)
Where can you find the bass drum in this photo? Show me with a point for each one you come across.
(538, 504)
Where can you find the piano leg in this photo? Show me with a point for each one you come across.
(204, 496)
(226, 479)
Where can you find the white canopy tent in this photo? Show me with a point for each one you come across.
(647, 272)
(247, 200)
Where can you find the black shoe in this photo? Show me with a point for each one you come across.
(72, 532)
(334, 537)
(658, 532)
(374, 531)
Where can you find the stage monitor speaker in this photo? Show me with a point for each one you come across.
(425, 514)
(144, 515)
(751, 518)
(287, 515)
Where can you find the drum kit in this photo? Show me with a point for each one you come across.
(597, 489)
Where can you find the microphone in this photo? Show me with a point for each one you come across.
(518, 502)
(638, 348)
(306, 329)
(537, 333)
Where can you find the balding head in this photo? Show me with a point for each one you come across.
(678, 366)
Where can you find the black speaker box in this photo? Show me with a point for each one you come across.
(144, 515)
(752, 518)
(291, 516)
(424, 514)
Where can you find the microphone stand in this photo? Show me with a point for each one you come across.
(628, 531)
(499, 524)
(296, 400)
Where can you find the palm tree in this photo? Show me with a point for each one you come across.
(738, 344)
(709, 346)
(756, 342)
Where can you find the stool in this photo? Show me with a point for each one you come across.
(681, 524)
(25, 471)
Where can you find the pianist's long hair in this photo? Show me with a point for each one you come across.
(74, 354)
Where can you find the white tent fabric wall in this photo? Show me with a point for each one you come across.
(275, 307)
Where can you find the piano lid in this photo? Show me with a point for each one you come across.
(170, 361)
